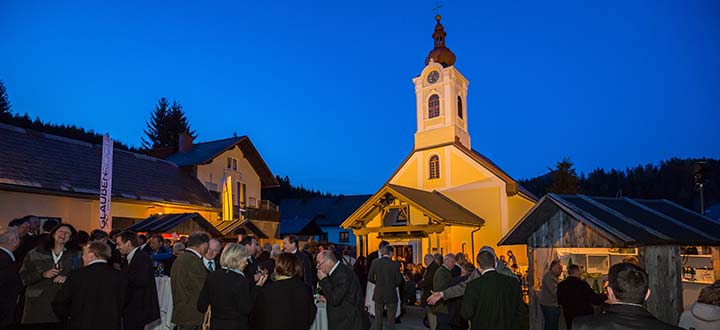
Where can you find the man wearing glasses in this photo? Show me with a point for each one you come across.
(342, 293)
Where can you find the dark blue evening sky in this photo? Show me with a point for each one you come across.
(324, 89)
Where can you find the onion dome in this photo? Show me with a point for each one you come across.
(440, 54)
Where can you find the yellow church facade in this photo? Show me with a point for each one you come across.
(445, 197)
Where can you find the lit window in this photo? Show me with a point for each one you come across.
(460, 107)
(434, 167)
(344, 237)
(434, 106)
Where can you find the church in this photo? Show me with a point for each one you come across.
(445, 197)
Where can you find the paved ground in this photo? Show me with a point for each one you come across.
(412, 320)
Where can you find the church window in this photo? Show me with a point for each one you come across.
(460, 107)
(434, 106)
(434, 167)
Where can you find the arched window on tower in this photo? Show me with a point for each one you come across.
(460, 107)
(434, 167)
(434, 106)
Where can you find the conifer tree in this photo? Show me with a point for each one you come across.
(564, 178)
(166, 124)
(4, 103)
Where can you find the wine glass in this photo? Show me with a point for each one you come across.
(58, 266)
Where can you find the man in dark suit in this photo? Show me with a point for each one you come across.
(27, 242)
(385, 274)
(343, 294)
(144, 244)
(426, 285)
(441, 281)
(10, 284)
(291, 245)
(252, 247)
(376, 254)
(187, 278)
(493, 300)
(142, 305)
(627, 290)
(576, 297)
(93, 296)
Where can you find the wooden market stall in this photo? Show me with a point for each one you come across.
(179, 223)
(597, 232)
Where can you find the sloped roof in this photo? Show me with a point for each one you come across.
(230, 227)
(512, 186)
(628, 221)
(44, 163)
(326, 211)
(205, 152)
(168, 222)
(434, 204)
(298, 226)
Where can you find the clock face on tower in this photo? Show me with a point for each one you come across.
(433, 77)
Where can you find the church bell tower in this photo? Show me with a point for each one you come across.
(441, 93)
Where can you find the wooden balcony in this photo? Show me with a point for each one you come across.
(263, 210)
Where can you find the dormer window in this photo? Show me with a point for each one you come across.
(460, 107)
(434, 106)
(434, 167)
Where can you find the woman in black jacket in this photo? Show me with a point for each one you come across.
(286, 303)
(227, 291)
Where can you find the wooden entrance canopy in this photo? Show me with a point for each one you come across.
(438, 208)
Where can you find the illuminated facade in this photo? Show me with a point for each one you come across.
(445, 197)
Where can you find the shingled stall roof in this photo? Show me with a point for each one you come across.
(326, 211)
(433, 203)
(232, 227)
(622, 221)
(298, 226)
(205, 152)
(184, 223)
(49, 164)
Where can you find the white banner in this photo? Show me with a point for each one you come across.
(106, 184)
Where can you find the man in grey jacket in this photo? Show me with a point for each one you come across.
(459, 290)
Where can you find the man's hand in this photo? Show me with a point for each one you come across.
(435, 297)
(59, 279)
(262, 279)
(321, 299)
(50, 273)
(321, 274)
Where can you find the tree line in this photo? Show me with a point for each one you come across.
(674, 179)
(167, 121)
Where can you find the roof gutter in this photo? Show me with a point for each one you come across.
(472, 244)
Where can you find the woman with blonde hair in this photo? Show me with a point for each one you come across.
(228, 292)
(287, 303)
(705, 312)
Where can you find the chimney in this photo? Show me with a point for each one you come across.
(185, 142)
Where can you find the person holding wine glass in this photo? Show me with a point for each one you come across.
(43, 272)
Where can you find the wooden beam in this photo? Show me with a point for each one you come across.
(663, 265)
(716, 262)
(399, 229)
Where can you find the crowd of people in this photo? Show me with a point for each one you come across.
(54, 277)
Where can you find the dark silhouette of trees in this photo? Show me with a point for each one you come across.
(672, 179)
(5, 105)
(564, 178)
(166, 124)
(287, 190)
